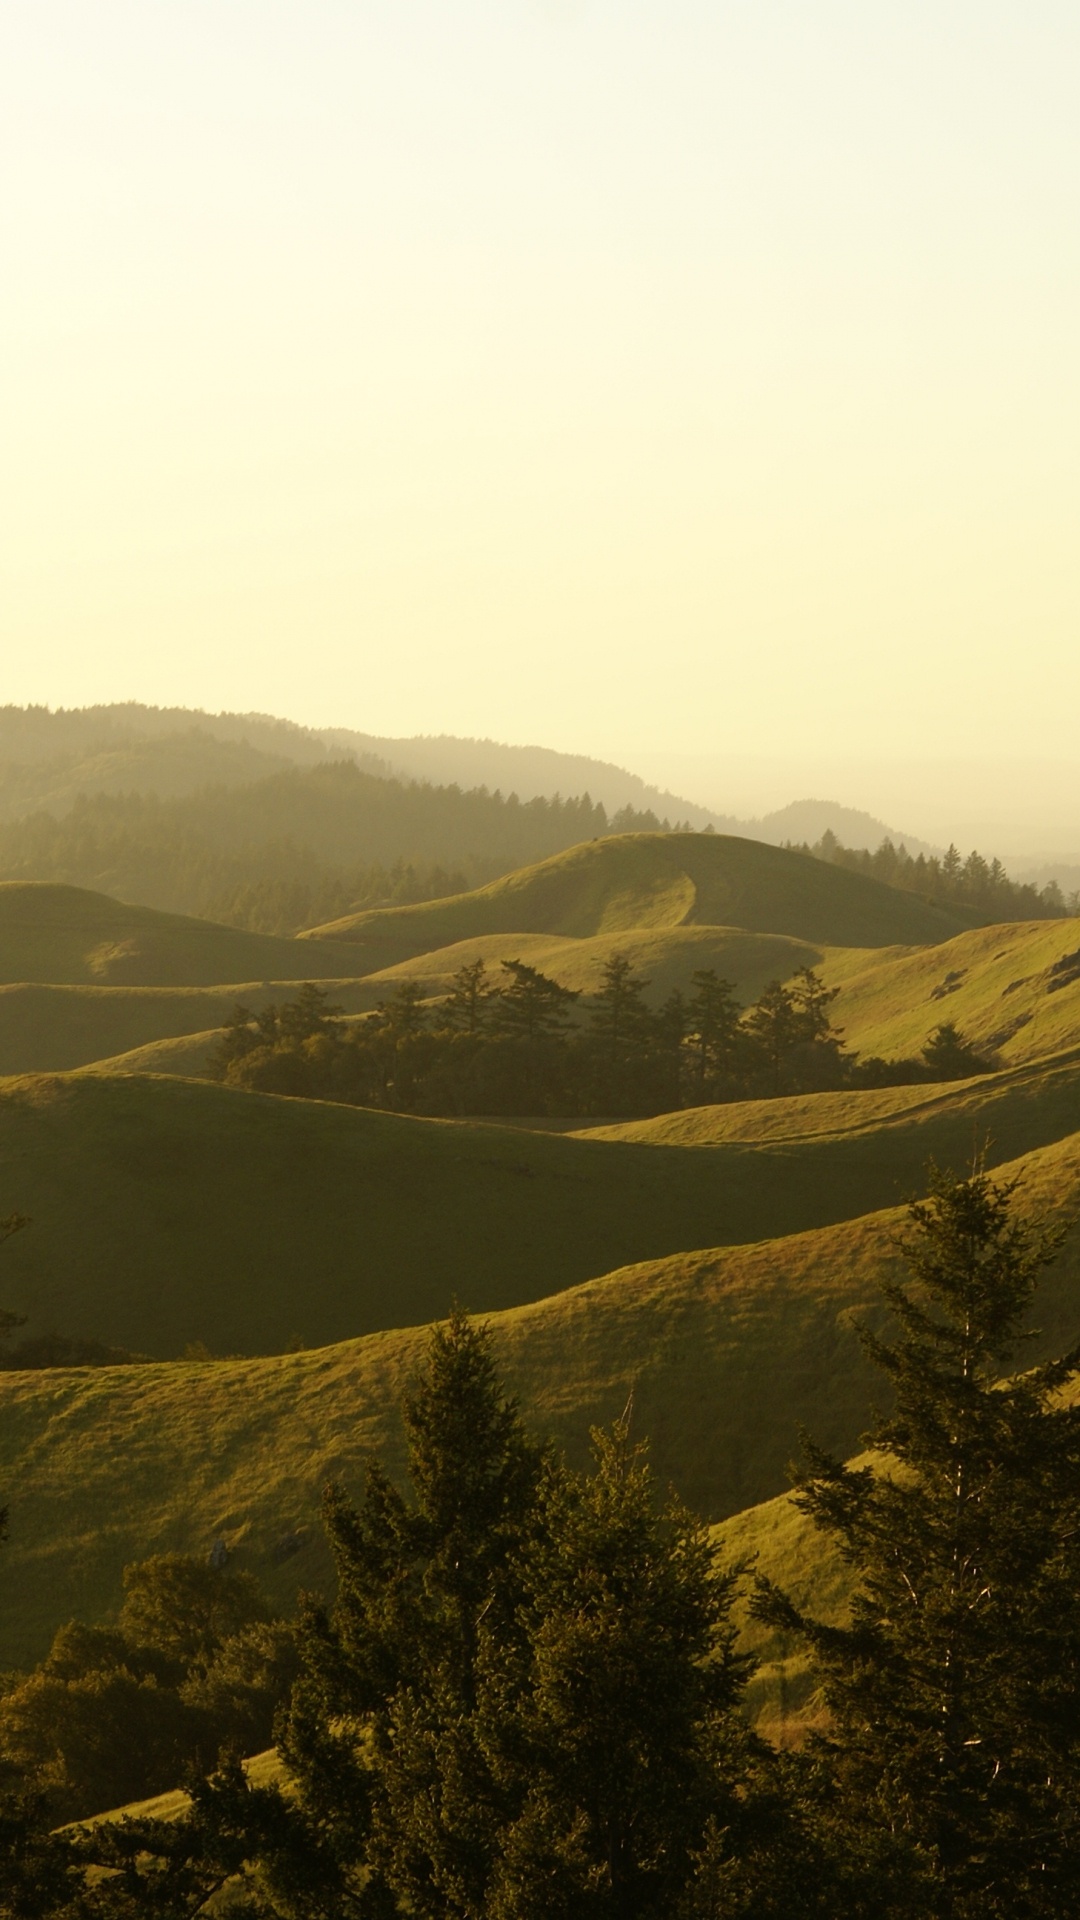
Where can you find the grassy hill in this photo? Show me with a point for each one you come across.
(654, 880)
(170, 1210)
(50, 1029)
(1003, 1107)
(667, 956)
(72, 936)
(727, 1352)
(1013, 989)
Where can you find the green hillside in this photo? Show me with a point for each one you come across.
(169, 1210)
(727, 1352)
(1012, 989)
(50, 1029)
(667, 956)
(71, 936)
(1002, 1106)
(659, 880)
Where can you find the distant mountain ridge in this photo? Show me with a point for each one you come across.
(47, 758)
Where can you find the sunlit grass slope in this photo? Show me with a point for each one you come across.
(1013, 989)
(1006, 1108)
(665, 956)
(168, 1210)
(659, 880)
(71, 936)
(727, 1352)
(49, 1029)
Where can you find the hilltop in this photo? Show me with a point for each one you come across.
(171, 1210)
(647, 880)
(727, 1351)
(72, 936)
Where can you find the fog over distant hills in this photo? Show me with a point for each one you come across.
(49, 757)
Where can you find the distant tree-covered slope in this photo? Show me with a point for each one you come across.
(99, 746)
(293, 847)
(982, 885)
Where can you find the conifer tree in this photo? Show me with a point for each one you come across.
(532, 1006)
(955, 1689)
(380, 1735)
(610, 1717)
(466, 1007)
(713, 1020)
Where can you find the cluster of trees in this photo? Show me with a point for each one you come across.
(522, 1043)
(194, 1663)
(525, 1701)
(974, 882)
(327, 831)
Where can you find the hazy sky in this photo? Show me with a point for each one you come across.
(662, 377)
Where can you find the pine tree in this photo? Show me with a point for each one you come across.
(532, 1006)
(611, 1717)
(713, 1022)
(955, 1689)
(380, 1735)
(467, 1006)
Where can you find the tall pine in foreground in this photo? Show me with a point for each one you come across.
(524, 1702)
(954, 1691)
(381, 1736)
(610, 1717)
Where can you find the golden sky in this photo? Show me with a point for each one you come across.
(667, 376)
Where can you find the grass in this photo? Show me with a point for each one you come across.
(651, 880)
(1003, 1107)
(168, 1210)
(727, 1352)
(995, 983)
(50, 1029)
(667, 957)
(70, 936)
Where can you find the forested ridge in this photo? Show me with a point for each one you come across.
(950, 879)
(299, 847)
(251, 821)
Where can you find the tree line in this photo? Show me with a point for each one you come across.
(300, 846)
(525, 1701)
(951, 880)
(519, 1042)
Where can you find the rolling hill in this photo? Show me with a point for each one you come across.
(1013, 990)
(71, 936)
(647, 880)
(50, 1029)
(171, 1210)
(727, 1351)
(667, 956)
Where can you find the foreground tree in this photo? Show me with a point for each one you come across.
(955, 1690)
(381, 1733)
(610, 1717)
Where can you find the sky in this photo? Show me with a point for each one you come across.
(693, 383)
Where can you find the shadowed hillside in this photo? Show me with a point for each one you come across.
(49, 1029)
(168, 1211)
(68, 935)
(727, 1352)
(646, 880)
